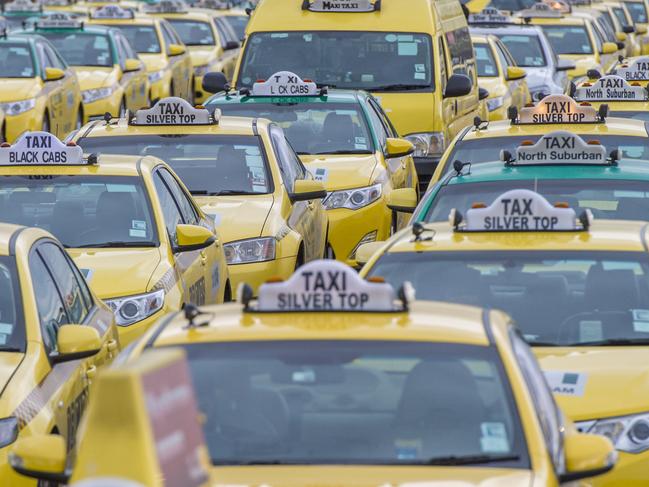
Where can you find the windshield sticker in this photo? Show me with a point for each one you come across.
(420, 75)
(391, 38)
(6, 328)
(407, 449)
(494, 437)
(590, 331)
(566, 383)
(420, 68)
(407, 49)
(320, 174)
(136, 233)
(3, 339)
(640, 320)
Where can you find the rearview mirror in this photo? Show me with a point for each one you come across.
(640, 29)
(54, 74)
(514, 73)
(458, 85)
(231, 45)
(307, 189)
(131, 65)
(628, 29)
(403, 200)
(193, 237)
(76, 342)
(176, 49)
(565, 65)
(399, 147)
(620, 36)
(41, 457)
(365, 252)
(609, 48)
(483, 93)
(587, 456)
(215, 82)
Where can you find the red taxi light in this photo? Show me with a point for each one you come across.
(594, 142)
(527, 143)
(477, 206)
(561, 204)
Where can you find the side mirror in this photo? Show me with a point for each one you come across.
(230, 45)
(131, 65)
(628, 29)
(193, 237)
(609, 48)
(458, 85)
(307, 189)
(215, 82)
(54, 74)
(176, 49)
(587, 456)
(483, 93)
(640, 29)
(41, 457)
(620, 36)
(514, 73)
(399, 147)
(75, 342)
(565, 65)
(365, 252)
(403, 200)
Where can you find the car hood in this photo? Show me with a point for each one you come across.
(582, 64)
(589, 382)
(358, 476)
(109, 280)
(94, 77)
(201, 55)
(14, 89)
(237, 217)
(9, 361)
(341, 171)
(153, 62)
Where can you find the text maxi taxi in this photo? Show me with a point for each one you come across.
(484, 142)
(128, 222)
(347, 142)
(54, 334)
(384, 390)
(244, 175)
(576, 288)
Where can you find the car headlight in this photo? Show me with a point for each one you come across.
(156, 75)
(251, 250)
(18, 107)
(8, 431)
(131, 309)
(97, 94)
(628, 433)
(428, 144)
(353, 199)
(495, 103)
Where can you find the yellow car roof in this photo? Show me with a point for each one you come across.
(193, 14)
(11, 236)
(480, 38)
(139, 19)
(570, 20)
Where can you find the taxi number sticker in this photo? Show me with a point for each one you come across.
(34, 148)
(566, 383)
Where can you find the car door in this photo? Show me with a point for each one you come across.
(71, 93)
(229, 56)
(515, 97)
(132, 82)
(180, 65)
(53, 91)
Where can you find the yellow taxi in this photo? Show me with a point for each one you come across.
(624, 99)
(128, 222)
(483, 143)
(346, 140)
(617, 17)
(638, 11)
(198, 31)
(72, 7)
(384, 390)
(244, 175)
(552, 268)
(167, 62)
(499, 75)
(111, 76)
(38, 90)
(54, 334)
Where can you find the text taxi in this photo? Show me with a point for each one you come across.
(128, 222)
(111, 76)
(505, 255)
(168, 65)
(624, 99)
(483, 143)
(433, 392)
(242, 172)
(54, 335)
(347, 142)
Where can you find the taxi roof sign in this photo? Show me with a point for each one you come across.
(174, 111)
(22, 6)
(344, 6)
(559, 6)
(558, 109)
(540, 10)
(40, 148)
(112, 12)
(489, 15)
(556, 148)
(610, 88)
(636, 70)
(326, 285)
(57, 3)
(166, 7)
(519, 210)
(284, 83)
(59, 20)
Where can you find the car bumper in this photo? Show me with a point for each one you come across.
(257, 273)
(631, 470)
(425, 167)
(128, 334)
(17, 124)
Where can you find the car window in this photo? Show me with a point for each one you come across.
(385, 121)
(126, 47)
(143, 38)
(569, 39)
(166, 35)
(289, 164)
(379, 128)
(53, 59)
(526, 50)
(83, 48)
(16, 60)
(228, 31)
(487, 67)
(504, 62)
(442, 64)
(170, 210)
(187, 208)
(194, 32)
(173, 35)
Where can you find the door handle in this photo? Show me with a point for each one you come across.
(91, 372)
(111, 345)
(203, 258)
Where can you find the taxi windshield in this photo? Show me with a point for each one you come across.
(488, 149)
(82, 48)
(484, 57)
(636, 114)
(638, 11)
(569, 39)
(81, 211)
(143, 38)
(12, 327)
(193, 32)
(313, 128)
(376, 61)
(16, 60)
(209, 165)
(512, 5)
(526, 50)
(239, 24)
(560, 298)
(607, 198)
(328, 402)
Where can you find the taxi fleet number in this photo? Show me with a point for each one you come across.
(38, 142)
(558, 112)
(518, 215)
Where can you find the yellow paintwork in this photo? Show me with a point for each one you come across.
(612, 126)
(32, 387)
(632, 41)
(177, 70)
(642, 38)
(120, 272)
(513, 92)
(298, 225)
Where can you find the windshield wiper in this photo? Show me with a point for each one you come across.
(397, 87)
(351, 151)
(545, 344)
(225, 192)
(107, 245)
(10, 349)
(470, 459)
(612, 342)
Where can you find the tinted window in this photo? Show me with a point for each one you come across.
(485, 59)
(51, 311)
(238, 23)
(186, 207)
(289, 164)
(82, 49)
(568, 39)
(526, 50)
(143, 38)
(16, 60)
(170, 210)
(637, 11)
(12, 327)
(194, 33)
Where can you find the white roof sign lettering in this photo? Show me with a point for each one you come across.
(637, 70)
(112, 12)
(520, 210)
(22, 6)
(489, 15)
(285, 83)
(560, 147)
(540, 10)
(341, 6)
(173, 111)
(557, 109)
(610, 88)
(57, 21)
(326, 285)
(36, 148)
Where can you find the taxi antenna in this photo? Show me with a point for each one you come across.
(191, 313)
(586, 218)
(603, 112)
(245, 295)
(93, 159)
(512, 113)
(418, 229)
(406, 295)
(458, 166)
